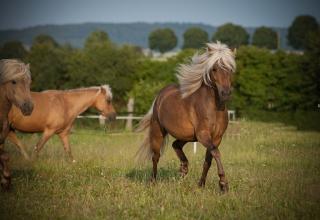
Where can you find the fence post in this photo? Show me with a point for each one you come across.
(194, 147)
(130, 107)
(102, 121)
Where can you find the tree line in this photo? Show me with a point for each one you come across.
(265, 80)
(235, 35)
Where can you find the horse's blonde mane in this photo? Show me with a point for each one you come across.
(197, 71)
(11, 69)
(106, 88)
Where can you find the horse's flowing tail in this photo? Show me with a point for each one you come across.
(145, 153)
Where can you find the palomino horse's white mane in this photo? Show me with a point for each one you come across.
(11, 69)
(106, 88)
(192, 75)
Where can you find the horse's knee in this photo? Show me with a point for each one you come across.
(155, 156)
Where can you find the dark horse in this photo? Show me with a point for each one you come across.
(15, 82)
(194, 110)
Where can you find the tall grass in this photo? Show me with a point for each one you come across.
(273, 172)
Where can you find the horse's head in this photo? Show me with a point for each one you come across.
(103, 103)
(16, 80)
(220, 69)
(221, 79)
(213, 68)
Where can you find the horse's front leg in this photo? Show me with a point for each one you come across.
(223, 183)
(204, 137)
(5, 176)
(206, 167)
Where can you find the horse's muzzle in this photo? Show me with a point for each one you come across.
(225, 95)
(111, 116)
(27, 108)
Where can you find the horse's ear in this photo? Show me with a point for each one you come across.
(28, 66)
(234, 51)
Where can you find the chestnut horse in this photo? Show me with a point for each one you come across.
(55, 111)
(15, 82)
(194, 110)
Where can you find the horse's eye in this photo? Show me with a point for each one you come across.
(214, 70)
(13, 82)
(108, 101)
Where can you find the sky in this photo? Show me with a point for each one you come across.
(17, 14)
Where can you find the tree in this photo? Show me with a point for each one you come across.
(152, 75)
(13, 49)
(311, 68)
(300, 29)
(96, 38)
(44, 39)
(232, 35)
(265, 37)
(48, 66)
(195, 38)
(104, 64)
(162, 40)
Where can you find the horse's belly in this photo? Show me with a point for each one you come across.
(179, 127)
(186, 134)
(28, 126)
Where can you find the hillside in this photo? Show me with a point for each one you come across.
(132, 33)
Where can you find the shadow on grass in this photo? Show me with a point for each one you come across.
(144, 174)
(28, 173)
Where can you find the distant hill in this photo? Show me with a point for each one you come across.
(133, 33)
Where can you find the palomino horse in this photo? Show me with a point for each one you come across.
(55, 111)
(15, 82)
(194, 110)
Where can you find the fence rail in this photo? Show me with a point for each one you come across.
(231, 115)
(130, 117)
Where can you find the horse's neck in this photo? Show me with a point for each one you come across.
(80, 101)
(212, 97)
(220, 105)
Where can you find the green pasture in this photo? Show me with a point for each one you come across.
(273, 172)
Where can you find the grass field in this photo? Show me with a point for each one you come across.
(273, 173)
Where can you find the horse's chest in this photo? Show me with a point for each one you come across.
(219, 126)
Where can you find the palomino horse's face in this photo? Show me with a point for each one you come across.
(222, 79)
(18, 93)
(104, 105)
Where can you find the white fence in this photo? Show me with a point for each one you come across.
(130, 117)
(231, 115)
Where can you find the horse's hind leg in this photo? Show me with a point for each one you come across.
(14, 139)
(177, 146)
(156, 143)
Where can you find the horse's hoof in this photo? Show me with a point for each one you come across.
(224, 187)
(182, 174)
(201, 184)
(5, 183)
(183, 171)
(152, 181)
